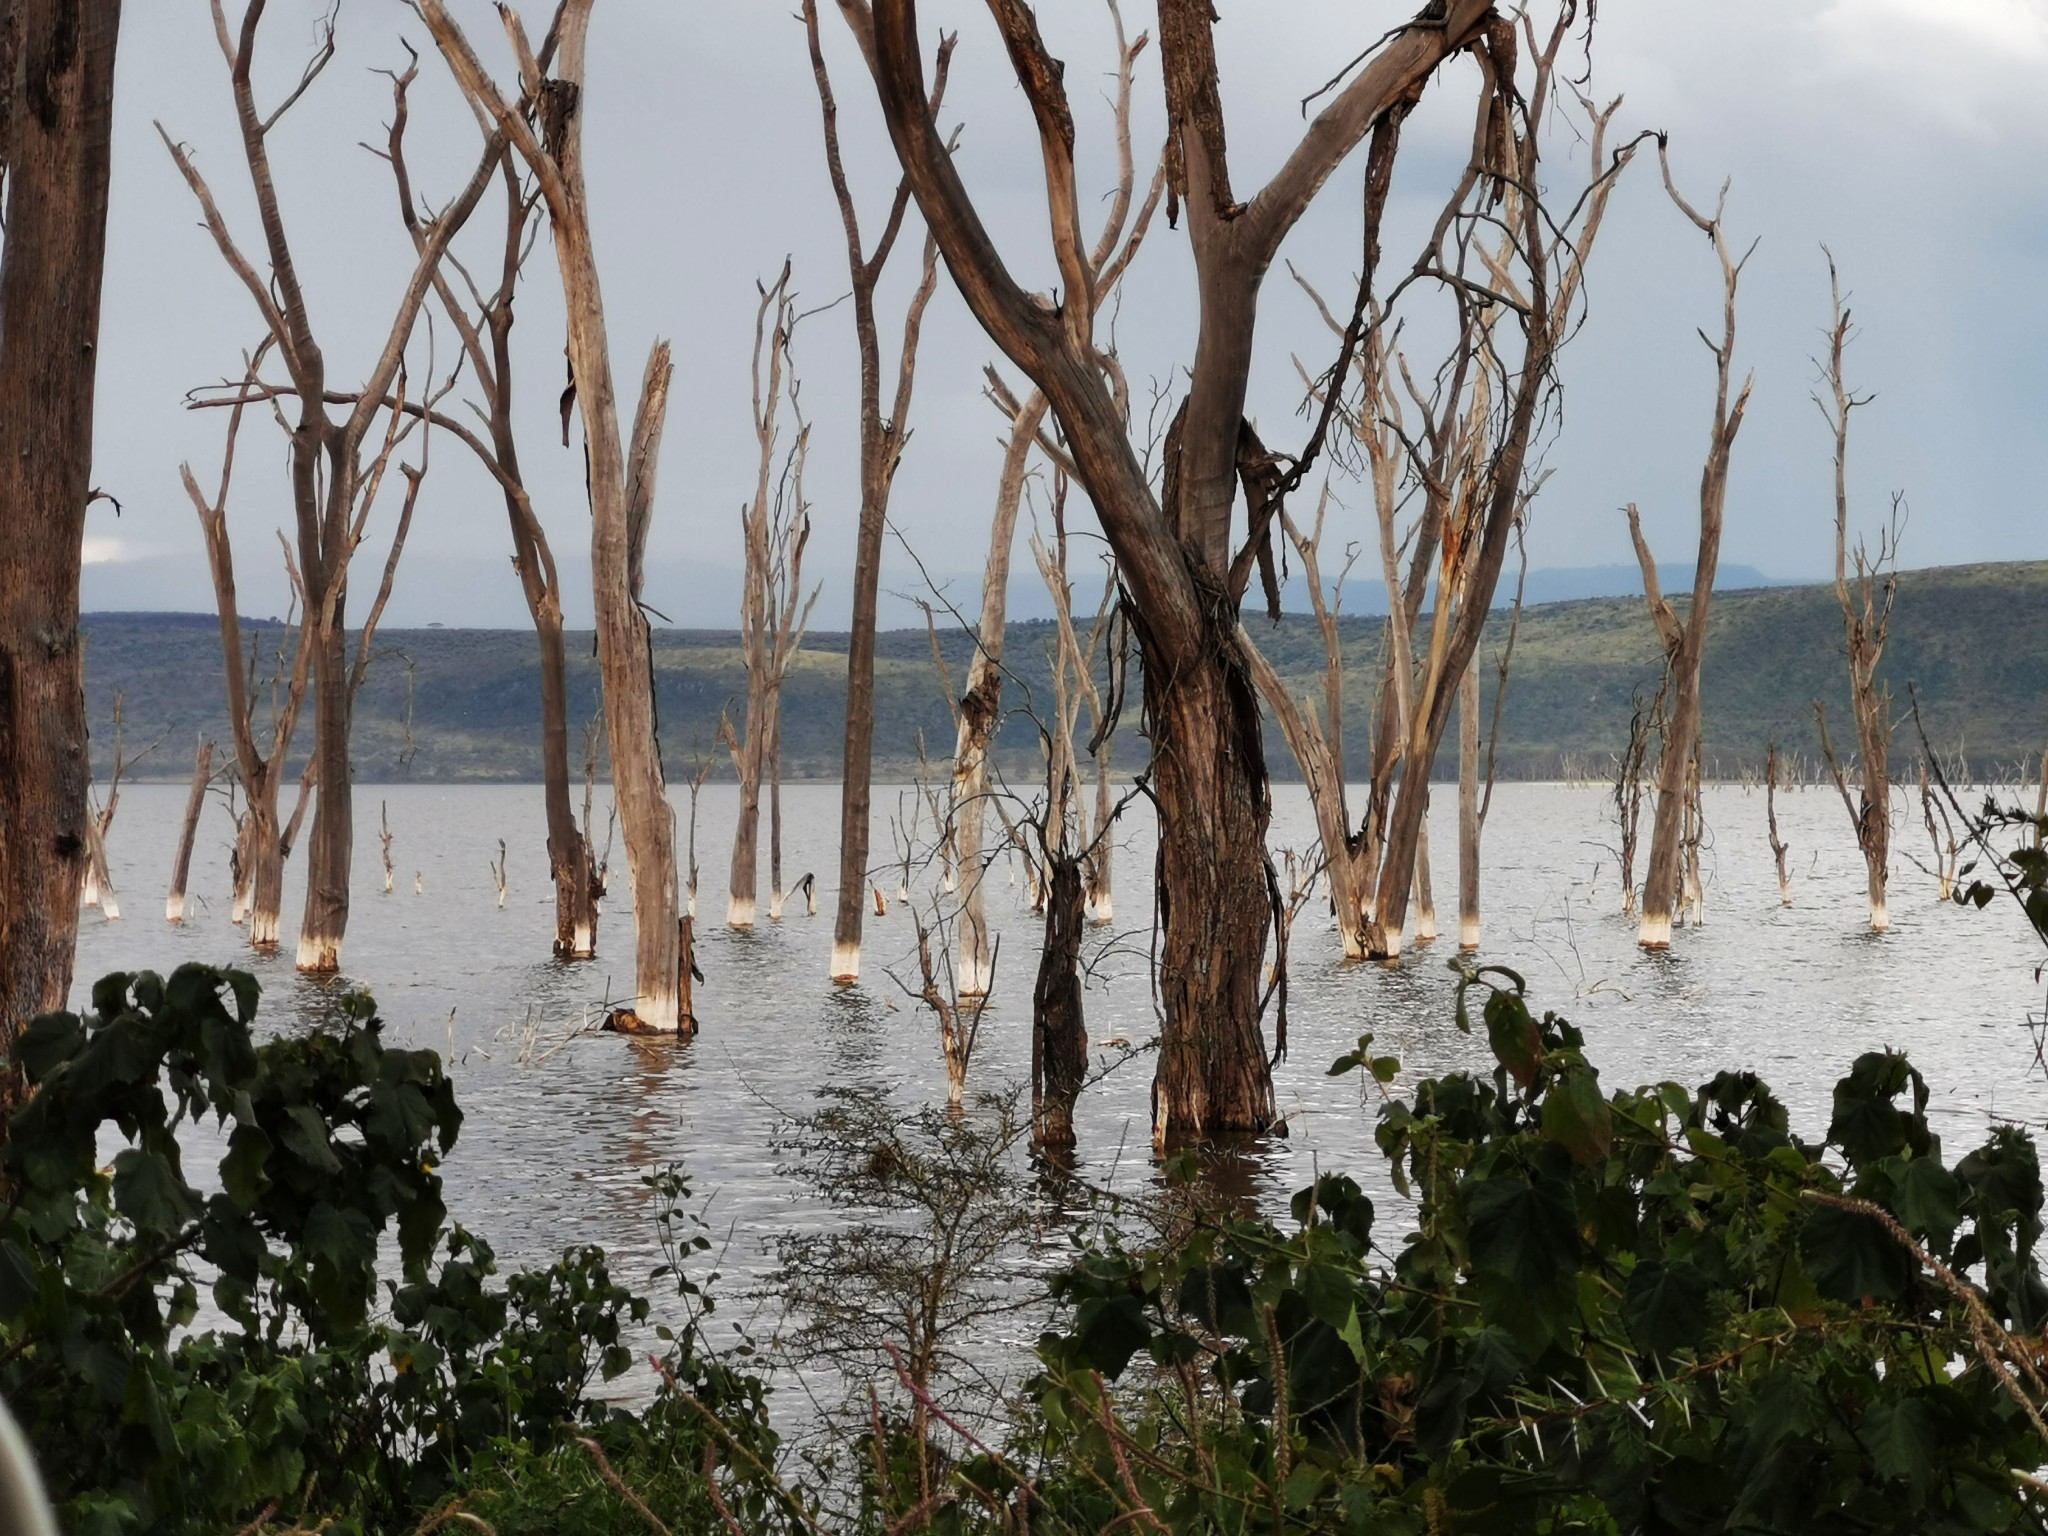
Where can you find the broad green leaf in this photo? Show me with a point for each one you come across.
(1666, 1306)
(1524, 1232)
(148, 1192)
(241, 1171)
(1904, 1437)
(1578, 1118)
(1851, 1256)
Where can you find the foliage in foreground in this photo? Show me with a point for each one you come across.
(300, 1393)
(1654, 1310)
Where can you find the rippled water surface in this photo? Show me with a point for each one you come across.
(560, 1126)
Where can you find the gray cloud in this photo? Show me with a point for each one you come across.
(1907, 134)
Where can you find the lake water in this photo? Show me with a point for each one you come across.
(560, 1129)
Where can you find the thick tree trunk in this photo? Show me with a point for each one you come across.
(1468, 812)
(330, 849)
(1209, 781)
(58, 105)
(188, 832)
(1059, 1031)
(264, 867)
(1663, 877)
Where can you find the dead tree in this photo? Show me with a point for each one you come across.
(980, 710)
(56, 128)
(543, 123)
(1470, 457)
(1182, 572)
(98, 887)
(334, 486)
(882, 441)
(1946, 850)
(1628, 788)
(704, 764)
(1866, 604)
(261, 840)
(188, 832)
(1778, 845)
(384, 837)
(774, 613)
(498, 873)
(1492, 244)
(1474, 798)
(1684, 640)
(483, 326)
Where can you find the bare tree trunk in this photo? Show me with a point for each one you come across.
(621, 477)
(56, 114)
(1778, 845)
(980, 709)
(1866, 618)
(774, 755)
(195, 802)
(1059, 1032)
(882, 440)
(1174, 552)
(1468, 812)
(1685, 641)
(333, 489)
(1425, 895)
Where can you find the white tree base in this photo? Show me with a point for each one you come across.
(582, 942)
(846, 962)
(1468, 934)
(174, 909)
(1880, 917)
(1655, 932)
(739, 912)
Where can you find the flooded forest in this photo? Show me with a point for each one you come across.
(995, 855)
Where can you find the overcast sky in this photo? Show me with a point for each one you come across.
(1906, 134)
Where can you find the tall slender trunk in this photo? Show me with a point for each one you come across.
(264, 862)
(1425, 891)
(621, 474)
(980, 710)
(775, 807)
(58, 126)
(195, 802)
(1468, 812)
(746, 838)
(1778, 845)
(569, 859)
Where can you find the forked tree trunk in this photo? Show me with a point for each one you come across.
(1174, 553)
(99, 880)
(621, 485)
(1059, 1031)
(1866, 618)
(882, 440)
(333, 489)
(188, 832)
(1779, 847)
(58, 106)
(1685, 641)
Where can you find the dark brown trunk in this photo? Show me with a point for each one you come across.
(857, 772)
(1059, 1031)
(195, 802)
(1209, 781)
(331, 845)
(576, 888)
(58, 114)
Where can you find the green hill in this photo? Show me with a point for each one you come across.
(1971, 641)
